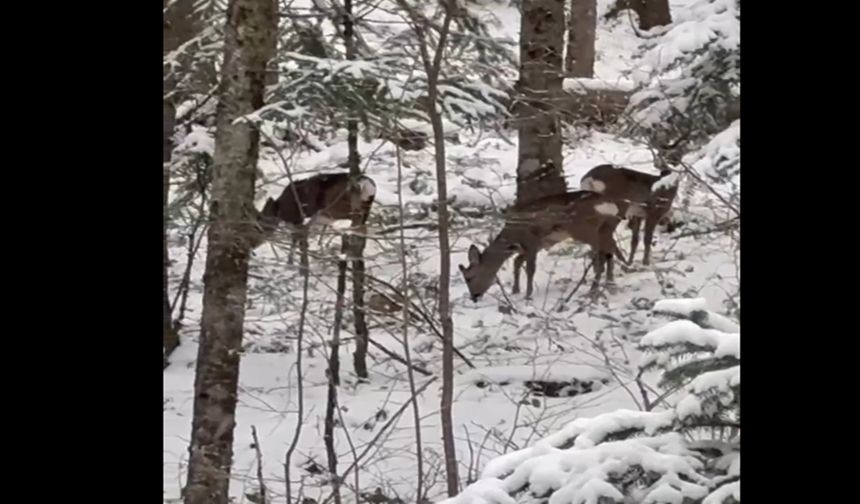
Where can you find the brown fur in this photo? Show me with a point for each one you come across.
(538, 225)
(634, 188)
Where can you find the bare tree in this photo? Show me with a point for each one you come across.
(539, 168)
(248, 46)
(581, 32)
(356, 239)
(424, 29)
(432, 69)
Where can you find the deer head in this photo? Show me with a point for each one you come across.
(481, 273)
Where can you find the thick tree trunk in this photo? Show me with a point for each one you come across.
(248, 46)
(652, 13)
(539, 168)
(581, 32)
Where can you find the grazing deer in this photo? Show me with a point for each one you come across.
(539, 224)
(324, 198)
(648, 197)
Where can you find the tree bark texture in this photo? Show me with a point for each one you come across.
(581, 34)
(444, 307)
(334, 378)
(539, 167)
(170, 338)
(248, 46)
(357, 240)
(178, 29)
(652, 13)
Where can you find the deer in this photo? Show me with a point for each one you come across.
(646, 196)
(325, 198)
(536, 225)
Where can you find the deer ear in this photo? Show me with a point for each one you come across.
(474, 255)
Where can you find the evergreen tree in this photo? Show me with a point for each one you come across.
(688, 452)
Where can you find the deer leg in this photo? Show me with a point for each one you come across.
(294, 238)
(322, 235)
(610, 274)
(531, 265)
(650, 224)
(518, 264)
(635, 224)
(597, 259)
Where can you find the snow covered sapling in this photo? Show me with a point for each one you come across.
(670, 455)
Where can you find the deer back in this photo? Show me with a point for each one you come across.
(632, 186)
(581, 215)
(325, 197)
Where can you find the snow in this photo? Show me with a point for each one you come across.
(724, 492)
(582, 85)
(198, 141)
(679, 332)
(688, 308)
(700, 23)
(667, 182)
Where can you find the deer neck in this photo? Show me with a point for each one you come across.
(497, 252)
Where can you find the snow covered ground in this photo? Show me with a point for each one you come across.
(589, 344)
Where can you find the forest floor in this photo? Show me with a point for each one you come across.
(516, 346)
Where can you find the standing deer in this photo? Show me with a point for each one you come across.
(539, 224)
(324, 198)
(648, 197)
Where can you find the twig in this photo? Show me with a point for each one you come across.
(369, 446)
(389, 423)
(404, 286)
(576, 287)
(303, 244)
(399, 359)
(260, 480)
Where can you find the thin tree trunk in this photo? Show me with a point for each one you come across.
(404, 289)
(170, 338)
(581, 33)
(357, 240)
(288, 457)
(248, 46)
(539, 167)
(334, 377)
(451, 469)
(179, 27)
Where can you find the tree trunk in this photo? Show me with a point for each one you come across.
(180, 25)
(334, 377)
(357, 240)
(170, 337)
(248, 46)
(652, 13)
(444, 307)
(581, 32)
(539, 168)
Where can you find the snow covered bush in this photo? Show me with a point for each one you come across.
(691, 85)
(684, 452)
